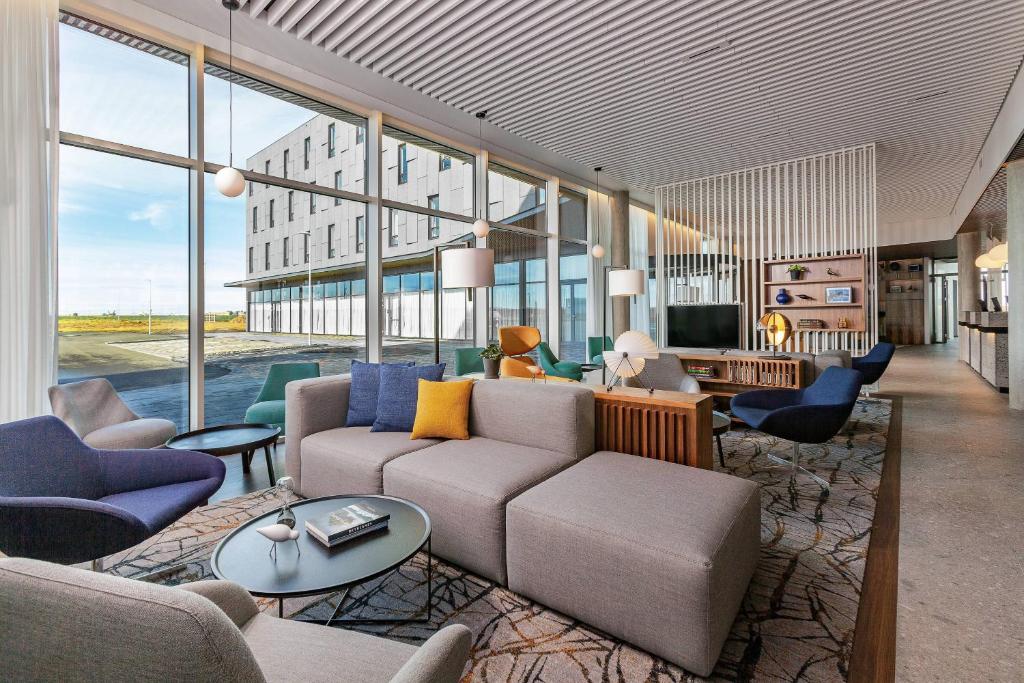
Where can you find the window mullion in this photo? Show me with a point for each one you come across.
(196, 238)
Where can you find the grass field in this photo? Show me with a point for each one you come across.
(162, 324)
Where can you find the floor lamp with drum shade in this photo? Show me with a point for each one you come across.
(468, 268)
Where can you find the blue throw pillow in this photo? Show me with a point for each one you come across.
(362, 398)
(399, 388)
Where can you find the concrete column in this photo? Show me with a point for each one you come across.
(968, 246)
(620, 257)
(1015, 240)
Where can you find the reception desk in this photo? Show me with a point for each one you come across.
(984, 345)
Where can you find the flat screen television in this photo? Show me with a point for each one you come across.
(712, 326)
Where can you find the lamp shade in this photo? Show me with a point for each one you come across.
(626, 282)
(636, 345)
(986, 261)
(1000, 252)
(229, 181)
(777, 328)
(467, 268)
(623, 365)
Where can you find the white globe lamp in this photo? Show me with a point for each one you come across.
(229, 181)
(481, 228)
(597, 251)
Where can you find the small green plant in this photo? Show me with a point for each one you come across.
(492, 352)
(796, 268)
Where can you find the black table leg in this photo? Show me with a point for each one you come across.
(246, 459)
(270, 464)
(721, 455)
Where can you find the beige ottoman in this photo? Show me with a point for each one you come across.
(651, 552)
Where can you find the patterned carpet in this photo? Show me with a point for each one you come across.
(795, 624)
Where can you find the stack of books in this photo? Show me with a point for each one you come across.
(701, 371)
(347, 523)
(810, 324)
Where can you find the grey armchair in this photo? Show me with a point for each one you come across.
(67, 624)
(101, 419)
(665, 373)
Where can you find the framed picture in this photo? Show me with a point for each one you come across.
(839, 295)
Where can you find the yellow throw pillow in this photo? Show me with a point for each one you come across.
(442, 410)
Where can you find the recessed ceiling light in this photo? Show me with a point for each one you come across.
(700, 54)
(929, 96)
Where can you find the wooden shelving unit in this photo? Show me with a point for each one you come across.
(903, 311)
(736, 374)
(850, 272)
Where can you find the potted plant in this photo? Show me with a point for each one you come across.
(492, 359)
(796, 271)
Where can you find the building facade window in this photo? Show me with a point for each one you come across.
(403, 164)
(287, 159)
(305, 248)
(270, 213)
(266, 256)
(330, 241)
(250, 259)
(291, 205)
(249, 185)
(392, 228)
(330, 141)
(312, 203)
(255, 214)
(360, 235)
(360, 135)
(433, 222)
(338, 179)
(306, 146)
(444, 163)
(266, 171)
(284, 258)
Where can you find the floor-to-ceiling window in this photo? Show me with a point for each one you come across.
(572, 274)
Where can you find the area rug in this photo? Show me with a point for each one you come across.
(796, 622)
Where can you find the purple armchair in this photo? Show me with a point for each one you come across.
(64, 501)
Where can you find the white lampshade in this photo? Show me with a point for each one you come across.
(229, 181)
(636, 345)
(626, 282)
(467, 268)
(481, 228)
(623, 365)
(1000, 252)
(597, 251)
(986, 261)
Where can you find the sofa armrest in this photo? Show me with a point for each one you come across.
(311, 406)
(231, 598)
(439, 660)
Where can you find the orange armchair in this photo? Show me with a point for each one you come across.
(515, 342)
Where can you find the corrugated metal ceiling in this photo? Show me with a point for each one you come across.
(658, 91)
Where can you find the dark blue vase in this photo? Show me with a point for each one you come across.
(783, 298)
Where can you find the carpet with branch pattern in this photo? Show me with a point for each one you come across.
(796, 622)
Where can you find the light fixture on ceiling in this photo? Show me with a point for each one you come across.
(1000, 252)
(986, 261)
(480, 226)
(597, 251)
(229, 180)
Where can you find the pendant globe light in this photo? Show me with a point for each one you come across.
(597, 251)
(229, 181)
(480, 226)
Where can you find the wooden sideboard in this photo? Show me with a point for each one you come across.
(736, 374)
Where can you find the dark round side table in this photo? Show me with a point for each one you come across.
(231, 439)
(308, 567)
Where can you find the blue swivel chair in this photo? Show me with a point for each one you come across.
(873, 364)
(64, 501)
(811, 415)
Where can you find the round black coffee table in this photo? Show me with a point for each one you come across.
(311, 568)
(231, 439)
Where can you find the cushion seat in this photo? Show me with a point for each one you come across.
(145, 432)
(652, 552)
(464, 486)
(160, 506)
(350, 459)
(266, 412)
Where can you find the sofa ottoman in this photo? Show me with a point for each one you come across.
(654, 553)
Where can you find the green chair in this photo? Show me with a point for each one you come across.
(594, 350)
(269, 405)
(468, 360)
(558, 368)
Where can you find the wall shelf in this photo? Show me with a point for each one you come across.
(850, 272)
(785, 283)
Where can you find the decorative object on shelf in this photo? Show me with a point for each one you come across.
(810, 324)
(796, 271)
(805, 297)
(279, 533)
(783, 297)
(491, 356)
(286, 516)
(829, 271)
(838, 295)
(843, 324)
(229, 181)
(701, 371)
(913, 267)
(630, 354)
(895, 265)
(896, 289)
(777, 331)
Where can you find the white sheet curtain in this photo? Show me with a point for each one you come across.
(641, 234)
(28, 178)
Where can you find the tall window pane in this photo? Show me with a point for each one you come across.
(257, 319)
(110, 90)
(413, 172)
(519, 295)
(572, 215)
(123, 279)
(516, 198)
(572, 300)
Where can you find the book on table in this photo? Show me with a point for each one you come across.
(344, 524)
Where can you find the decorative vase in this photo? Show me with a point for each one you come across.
(783, 298)
(491, 366)
(795, 274)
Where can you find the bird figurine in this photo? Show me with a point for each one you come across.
(831, 272)
(279, 533)
(805, 296)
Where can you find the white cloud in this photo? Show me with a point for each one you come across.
(157, 214)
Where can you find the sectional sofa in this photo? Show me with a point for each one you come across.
(655, 553)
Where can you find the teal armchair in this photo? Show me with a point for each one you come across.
(468, 360)
(269, 405)
(558, 368)
(594, 351)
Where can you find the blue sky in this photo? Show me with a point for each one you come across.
(123, 222)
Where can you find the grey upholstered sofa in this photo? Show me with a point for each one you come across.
(66, 624)
(655, 553)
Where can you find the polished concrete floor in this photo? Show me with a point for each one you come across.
(961, 591)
